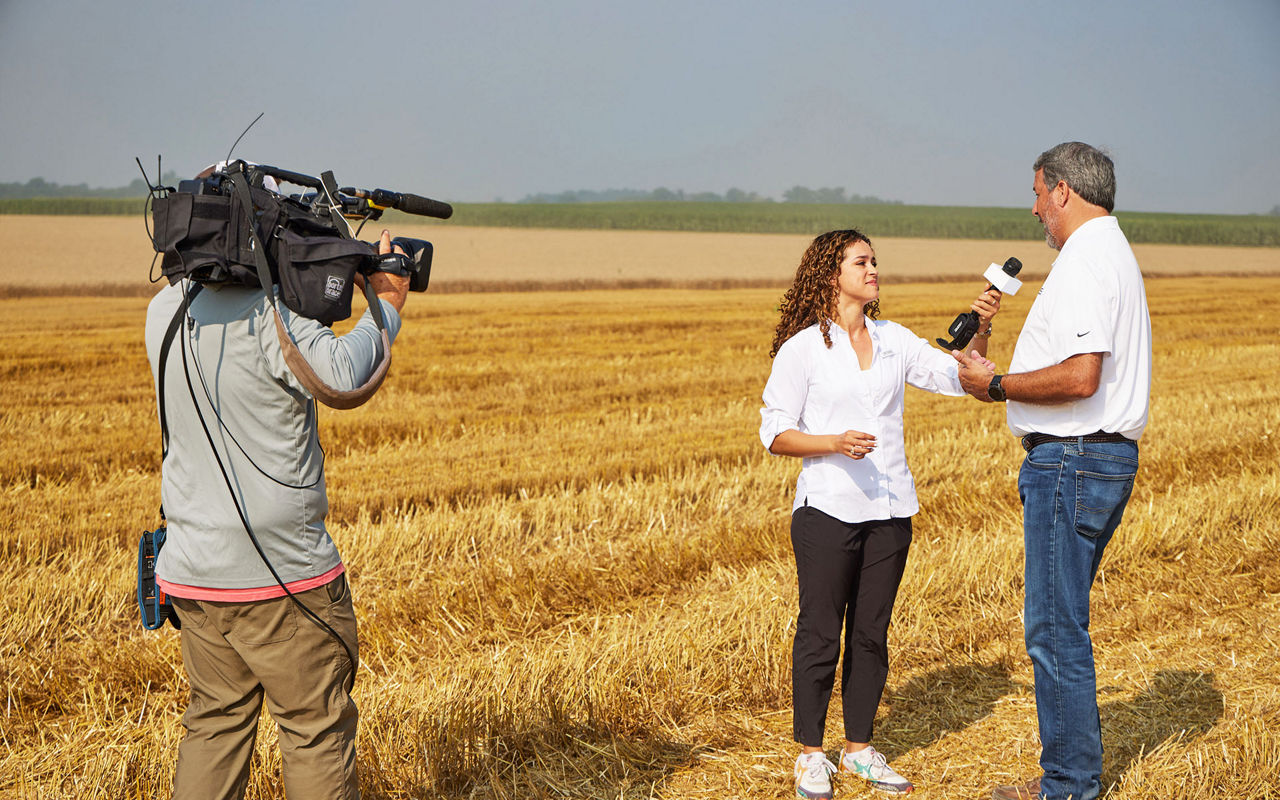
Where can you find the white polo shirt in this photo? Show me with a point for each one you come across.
(1093, 301)
(818, 390)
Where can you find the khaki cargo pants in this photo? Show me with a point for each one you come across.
(238, 654)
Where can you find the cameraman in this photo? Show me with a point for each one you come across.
(227, 386)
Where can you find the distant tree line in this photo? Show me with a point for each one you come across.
(659, 195)
(827, 194)
(796, 194)
(39, 187)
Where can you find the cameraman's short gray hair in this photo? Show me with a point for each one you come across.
(1087, 170)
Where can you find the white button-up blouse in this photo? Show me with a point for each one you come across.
(822, 391)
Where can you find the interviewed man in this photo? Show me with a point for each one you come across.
(1077, 393)
(244, 454)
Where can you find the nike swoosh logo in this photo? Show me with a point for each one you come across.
(1078, 335)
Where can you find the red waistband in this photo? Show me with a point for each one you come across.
(247, 595)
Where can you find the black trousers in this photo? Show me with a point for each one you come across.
(848, 575)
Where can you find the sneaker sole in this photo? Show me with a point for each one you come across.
(883, 788)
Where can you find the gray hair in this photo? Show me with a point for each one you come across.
(1087, 170)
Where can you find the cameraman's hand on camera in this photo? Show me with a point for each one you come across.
(392, 288)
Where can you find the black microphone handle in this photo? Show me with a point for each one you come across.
(423, 206)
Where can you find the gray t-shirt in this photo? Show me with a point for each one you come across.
(263, 424)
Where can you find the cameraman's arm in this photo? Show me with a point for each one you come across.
(343, 362)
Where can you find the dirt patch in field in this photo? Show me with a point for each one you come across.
(109, 255)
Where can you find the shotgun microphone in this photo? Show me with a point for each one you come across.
(403, 201)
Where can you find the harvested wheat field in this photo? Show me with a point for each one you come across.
(571, 563)
(38, 254)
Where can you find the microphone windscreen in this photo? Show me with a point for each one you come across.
(1012, 266)
(424, 206)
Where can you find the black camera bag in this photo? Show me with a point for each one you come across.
(206, 237)
(315, 266)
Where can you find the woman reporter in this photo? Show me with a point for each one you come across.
(834, 398)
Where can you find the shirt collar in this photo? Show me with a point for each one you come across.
(1088, 229)
(873, 328)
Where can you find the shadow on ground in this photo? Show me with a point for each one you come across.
(558, 760)
(1178, 703)
(941, 701)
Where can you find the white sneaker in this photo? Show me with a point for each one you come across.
(871, 767)
(813, 776)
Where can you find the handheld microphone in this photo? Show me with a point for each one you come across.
(966, 325)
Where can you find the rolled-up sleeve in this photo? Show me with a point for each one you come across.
(344, 362)
(784, 395)
(929, 368)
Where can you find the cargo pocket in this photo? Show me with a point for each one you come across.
(264, 621)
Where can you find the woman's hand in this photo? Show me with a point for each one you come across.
(987, 306)
(791, 442)
(854, 444)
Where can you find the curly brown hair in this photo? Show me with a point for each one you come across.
(812, 296)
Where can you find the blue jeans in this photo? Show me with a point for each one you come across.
(1073, 496)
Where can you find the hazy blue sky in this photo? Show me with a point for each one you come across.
(926, 102)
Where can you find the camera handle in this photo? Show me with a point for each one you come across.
(334, 398)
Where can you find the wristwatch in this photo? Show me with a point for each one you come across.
(994, 390)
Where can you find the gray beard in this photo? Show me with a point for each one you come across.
(1049, 240)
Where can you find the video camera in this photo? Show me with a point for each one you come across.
(207, 229)
(231, 226)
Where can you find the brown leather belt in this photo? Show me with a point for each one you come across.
(1032, 439)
